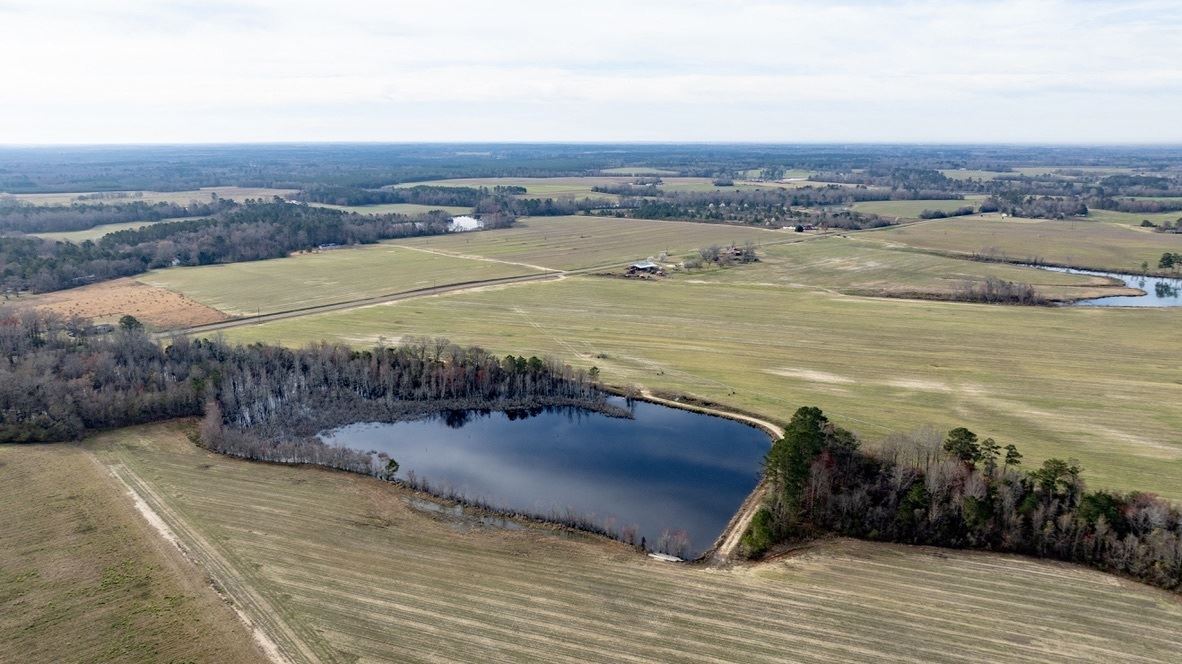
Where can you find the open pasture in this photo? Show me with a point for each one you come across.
(84, 578)
(581, 187)
(202, 195)
(855, 266)
(637, 170)
(396, 208)
(912, 209)
(1133, 218)
(973, 174)
(343, 568)
(324, 277)
(1079, 243)
(1096, 384)
(577, 242)
(104, 229)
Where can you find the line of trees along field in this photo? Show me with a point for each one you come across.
(255, 231)
(25, 218)
(958, 491)
(260, 402)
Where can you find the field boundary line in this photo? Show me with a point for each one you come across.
(356, 304)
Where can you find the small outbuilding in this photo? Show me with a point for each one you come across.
(644, 267)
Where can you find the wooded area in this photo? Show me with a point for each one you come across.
(959, 491)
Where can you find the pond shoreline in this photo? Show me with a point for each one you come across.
(667, 476)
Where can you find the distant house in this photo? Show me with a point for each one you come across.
(464, 224)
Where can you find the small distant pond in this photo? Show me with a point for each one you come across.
(1159, 291)
(675, 476)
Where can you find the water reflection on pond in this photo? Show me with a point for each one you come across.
(674, 476)
(1159, 291)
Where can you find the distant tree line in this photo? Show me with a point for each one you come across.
(628, 189)
(26, 218)
(418, 194)
(943, 214)
(1031, 207)
(251, 232)
(962, 492)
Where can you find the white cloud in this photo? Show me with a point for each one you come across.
(103, 71)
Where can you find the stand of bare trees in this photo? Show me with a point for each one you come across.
(260, 402)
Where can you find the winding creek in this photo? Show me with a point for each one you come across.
(675, 476)
(1159, 291)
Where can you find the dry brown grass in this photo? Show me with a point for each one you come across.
(157, 308)
(83, 578)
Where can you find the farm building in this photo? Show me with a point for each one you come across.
(645, 267)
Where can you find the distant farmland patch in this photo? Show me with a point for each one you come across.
(180, 197)
(396, 208)
(588, 241)
(106, 302)
(105, 229)
(912, 209)
(323, 277)
(1079, 243)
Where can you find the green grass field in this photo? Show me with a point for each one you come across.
(585, 241)
(99, 231)
(966, 174)
(1081, 243)
(1133, 218)
(1096, 384)
(342, 568)
(83, 578)
(181, 197)
(912, 209)
(637, 170)
(856, 266)
(581, 187)
(397, 208)
(326, 277)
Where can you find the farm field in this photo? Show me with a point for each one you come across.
(106, 302)
(577, 242)
(84, 578)
(325, 277)
(973, 174)
(581, 187)
(105, 229)
(1078, 243)
(202, 195)
(1133, 218)
(855, 266)
(912, 209)
(396, 208)
(637, 170)
(1069, 382)
(341, 568)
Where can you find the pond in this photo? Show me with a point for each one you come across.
(1159, 291)
(672, 476)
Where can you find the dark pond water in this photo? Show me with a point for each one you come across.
(1159, 291)
(675, 476)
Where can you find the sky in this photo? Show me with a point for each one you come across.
(98, 71)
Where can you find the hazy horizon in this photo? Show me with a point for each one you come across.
(1093, 72)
